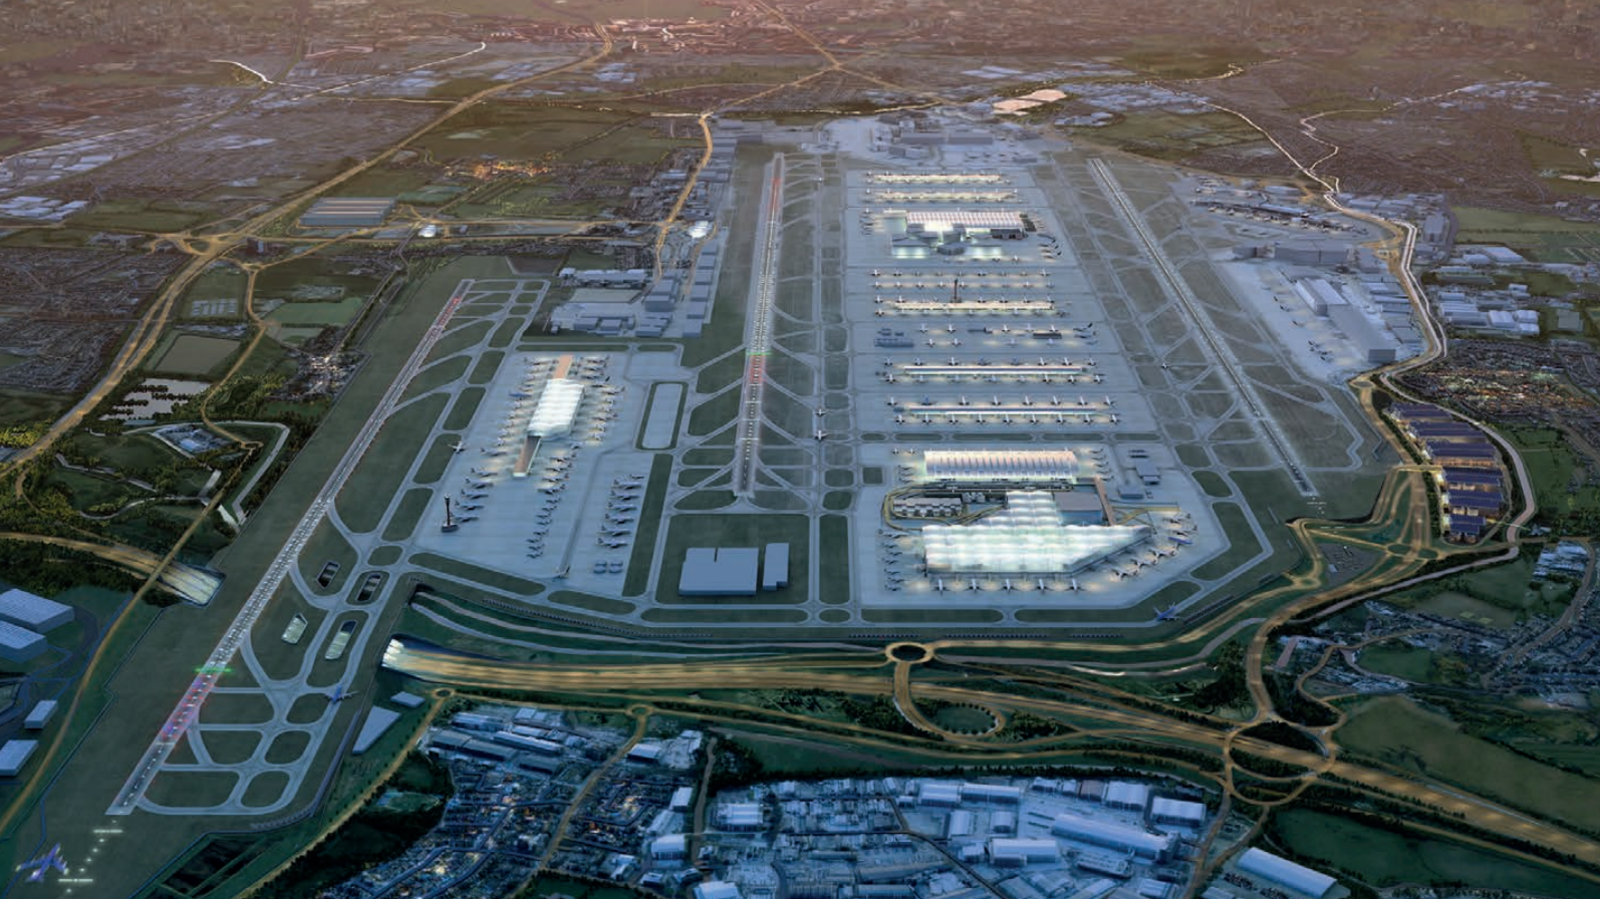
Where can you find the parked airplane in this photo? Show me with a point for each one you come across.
(612, 544)
(470, 506)
(39, 867)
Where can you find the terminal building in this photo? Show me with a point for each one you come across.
(1028, 537)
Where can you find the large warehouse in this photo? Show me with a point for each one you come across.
(1111, 835)
(1286, 873)
(33, 612)
(18, 644)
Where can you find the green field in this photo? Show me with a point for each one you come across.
(1546, 238)
(375, 481)
(314, 314)
(1409, 663)
(1168, 136)
(192, 354)
(313, 279)
(1396, 731)
(128, 214)
(1559, 482)
(1383, 858)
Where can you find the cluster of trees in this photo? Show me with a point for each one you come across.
(48, 570)
(371, 837)
(1229, 688)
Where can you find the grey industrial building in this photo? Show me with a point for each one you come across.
(1111, 835)
(14, 755)
(1286, 873)
(733, 571)
(347, 212)
(1312, 252)
(40, 714)
(33, 612)
(18, 644)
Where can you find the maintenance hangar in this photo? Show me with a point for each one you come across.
(35, 613)
(1286, 873)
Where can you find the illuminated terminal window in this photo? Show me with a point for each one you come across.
(943, 220)
(1027, 537)
(557, 409)
(1002, 465)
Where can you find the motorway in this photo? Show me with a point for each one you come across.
(1119, 716)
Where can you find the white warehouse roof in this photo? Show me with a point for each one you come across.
(1121, 794)
(716, 889)
(33, 612)
(1027, 850)
(1111, 835)
(939, 794)
(1286, 873)
(1177, 810)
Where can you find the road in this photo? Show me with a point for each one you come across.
(1118, 717)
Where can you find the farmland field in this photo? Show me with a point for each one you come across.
(1401, 733)
(192, 354)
